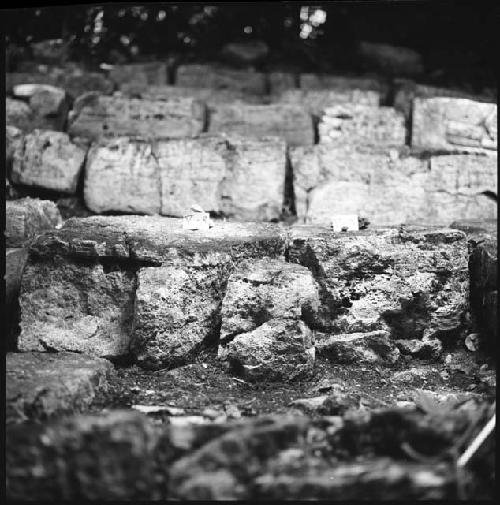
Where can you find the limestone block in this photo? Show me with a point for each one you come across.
(154, 73)
(42, 385)
(454, 125)
(122, 175)
(95, 116)
(374, 128)
(411, 282)
(291, 122)
(28, 217)
(48, 160)
(213, 76)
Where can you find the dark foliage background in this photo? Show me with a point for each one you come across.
(457, 39)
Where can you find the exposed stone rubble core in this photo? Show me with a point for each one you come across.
(153, 73)
(410, 282)
(370, 128)
(217, 77)
(237, 177)
(454, 125)
(78, 290)
(28, 217)
(341, 180)
(316, 101)
(42, 385)
(48, 160)
(96, 116)
(292, 122)
(122, 175)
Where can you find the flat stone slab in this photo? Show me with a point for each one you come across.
(291, 122)
(454, 125)
(96, 116)
(42, 385)
(48, 160)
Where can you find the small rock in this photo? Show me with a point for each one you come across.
(472, 342)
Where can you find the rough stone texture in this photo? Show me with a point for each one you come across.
(237, 177)
(342, 180)
(100, 457)
(427, 348)
(412, 282)
(122, 175)
(390, 59)
(291, 122)
(259, 291)
(48, 160)
(18, 114)
(154, 73)
(13, 139)
(374, 128)
(277, 350)
(95, 116)
(28, 217)
(15, 261)
(42, 385)
(454, 125)
(316, 101)
(369, 347)
(216, 77)
(280, 82)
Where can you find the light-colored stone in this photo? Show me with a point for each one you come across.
(390, 59)
(259, 291)
(13, 140)
(28, 217)
(291, 122)
(95, 116)
(277, 350)
(41, 385)
(48, 160)
(18, 114)
(411, 282)
(153, 73)
(454, 125)
(425, 348)
(237, 177)
(369, 128)
(122, 175)
(217, 77)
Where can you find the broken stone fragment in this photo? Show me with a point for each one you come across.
(18, 114)
(96, 116)
(41, 385)
(369, 347)
(28, 217)
(122, 175)
(454, 125)
(259, 291)
(48, 160)
(291, 122)
(424, 349)
(277, 350)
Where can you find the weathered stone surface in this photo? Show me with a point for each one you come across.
(369, 347)
(374, 128)
(213, 76)
(28, 217)
(122, 175)
(18, 114)
(280, 82)
(99, 457)
(341, 180)
(15, 261)
(110, 116)
(154, 73)
(316, 101)
(291, 122)
(245, 53)
(425, 348)
(389, 59)
(259, 291)
(454, 125)
(13, 139)
(411, 282)
(42, 385)
(277, 350)
(237, 177)
(48, 160)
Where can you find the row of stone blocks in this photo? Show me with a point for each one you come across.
(142, 286)
(255, 179)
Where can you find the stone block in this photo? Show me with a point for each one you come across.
(122, 175)
(28, 217)
(96, 116)
(41, 385)
(48, 160)
(291, 122)
(454, 125)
